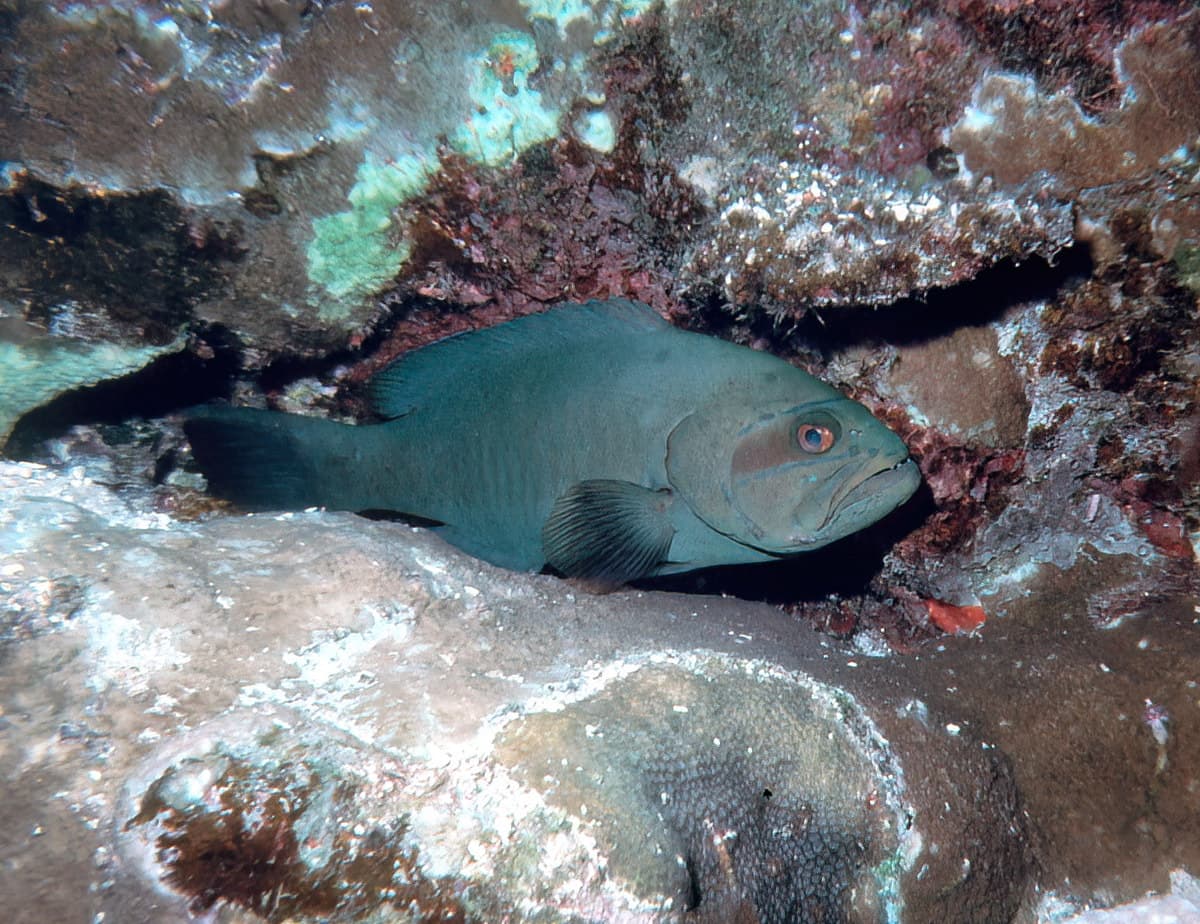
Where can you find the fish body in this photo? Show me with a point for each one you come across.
(596, 439)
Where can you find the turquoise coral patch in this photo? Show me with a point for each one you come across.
(508, 115)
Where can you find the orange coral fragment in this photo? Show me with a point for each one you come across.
(954, 620)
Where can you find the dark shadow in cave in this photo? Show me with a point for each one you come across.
(979, 301)
(982, 300)
(284, 370)
(171, 382)
(168, 385)
(843, 568)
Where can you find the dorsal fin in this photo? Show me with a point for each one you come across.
(419, 377)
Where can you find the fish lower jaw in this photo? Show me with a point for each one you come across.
(898, 481)
(868, 501)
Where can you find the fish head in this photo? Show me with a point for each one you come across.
(787, 477)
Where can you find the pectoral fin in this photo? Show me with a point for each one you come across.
(608, 531)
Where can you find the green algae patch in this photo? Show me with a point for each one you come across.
(351, 256)
(560, 12)
(508, 116)
(1187, 264)
(352, 253)
(566, 13)
(596, 130)
(358, 251)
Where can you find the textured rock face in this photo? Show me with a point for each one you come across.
(979, 218)
(317, 717)
(310, 159)
(775, 807)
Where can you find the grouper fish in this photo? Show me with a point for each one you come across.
(595, 439)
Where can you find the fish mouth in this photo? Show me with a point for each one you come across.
(888, 487)
(857, 504)
(866, 500)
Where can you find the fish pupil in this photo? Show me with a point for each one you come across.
(815, 438)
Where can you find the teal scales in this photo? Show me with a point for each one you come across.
(595, 439)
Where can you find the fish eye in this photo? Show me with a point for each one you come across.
(814, 438)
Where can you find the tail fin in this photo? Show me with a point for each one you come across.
(265, 460)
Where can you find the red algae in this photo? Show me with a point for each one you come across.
(955, 620)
